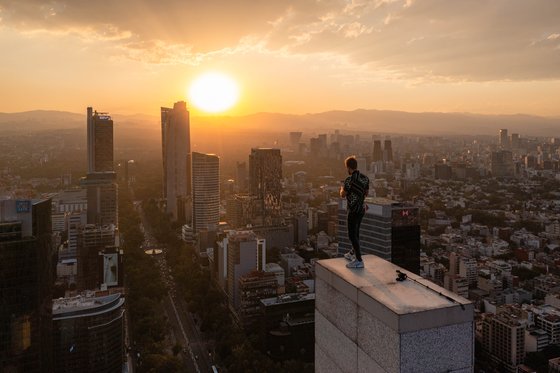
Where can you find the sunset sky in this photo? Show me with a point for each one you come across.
(298, 56)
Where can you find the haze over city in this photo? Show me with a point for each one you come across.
(282, 186)
(488, 57)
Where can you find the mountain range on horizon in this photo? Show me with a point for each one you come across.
(359, 120)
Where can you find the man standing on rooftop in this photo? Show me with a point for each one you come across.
(355, 189)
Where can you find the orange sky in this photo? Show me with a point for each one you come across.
(290, 56)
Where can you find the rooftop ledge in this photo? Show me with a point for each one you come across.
(376, 289)
(367, 321)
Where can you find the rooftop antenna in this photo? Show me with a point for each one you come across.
(401, 276)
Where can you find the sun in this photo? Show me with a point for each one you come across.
(213, 92)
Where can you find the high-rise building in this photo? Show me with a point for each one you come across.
(503, 337)
(241, 174)
(99, 141)
(26, 286)
(265, 175)
(75, 221)
(389, 230)
(515, 141)
(295, 138)
(245, 252)
(131, 170)
(176, 145)
(100, 181)
(502, 164)
(443, 171)
(300, 227)
(503, 139)
(102, 195)
(205, 191)
(388, 151)
(377, 151)
(240, 210)
(88, 334)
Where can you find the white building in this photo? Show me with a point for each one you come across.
(244, 252)
(205, 191)
(176, 145)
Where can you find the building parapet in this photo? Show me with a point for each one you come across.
(365, 320)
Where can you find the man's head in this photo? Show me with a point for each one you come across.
(351, 164)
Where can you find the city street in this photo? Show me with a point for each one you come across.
(183, 326)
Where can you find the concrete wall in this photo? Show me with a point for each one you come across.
(365, 321)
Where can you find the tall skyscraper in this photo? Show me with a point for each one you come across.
(388, 151)
(99, 141)
(377, 151)
(205, 191)
(241, 177)
(265, 175)
(100, 181)
(504, 139)
(176, 145)
(515, 141)
(26, 286)
(389, 230)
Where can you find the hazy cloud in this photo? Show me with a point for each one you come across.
(477, 40)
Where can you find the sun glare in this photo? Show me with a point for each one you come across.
(213, 92)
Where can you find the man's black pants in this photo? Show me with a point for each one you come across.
(354, 222)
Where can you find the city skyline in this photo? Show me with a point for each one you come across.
(475, 216)
(489, 57)
(223, 233)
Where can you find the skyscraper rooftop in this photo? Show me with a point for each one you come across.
(367, 321)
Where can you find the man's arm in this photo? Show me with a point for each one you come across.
(344, 188)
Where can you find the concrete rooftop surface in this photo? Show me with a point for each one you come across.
(367, 321)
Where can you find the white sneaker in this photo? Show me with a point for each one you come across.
(350, 255)
(355, 264)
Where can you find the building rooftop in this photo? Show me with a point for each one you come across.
(288, 298)
(82, 306)
(378, 282)
(390, 325)
(380, 201)
(239, 235)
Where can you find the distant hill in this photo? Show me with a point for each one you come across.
(361, 120)
(39, 120)
(384, 121)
